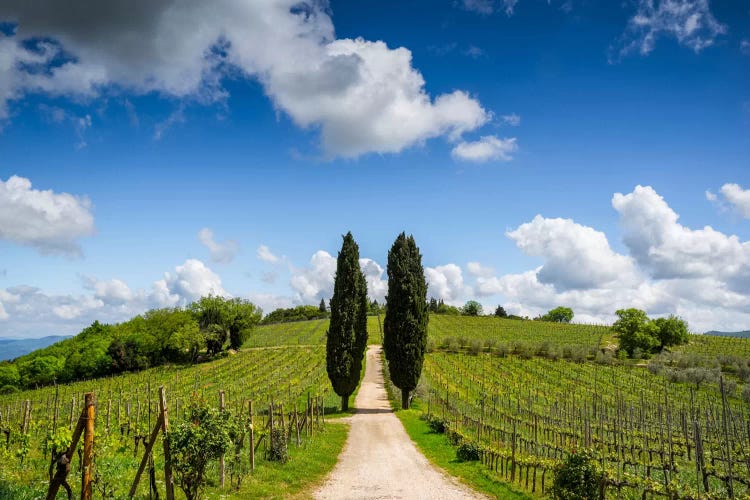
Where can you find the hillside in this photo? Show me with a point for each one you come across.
(744, 334)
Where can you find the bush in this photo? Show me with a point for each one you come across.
(577, 478)
(454, 438)
(437, 424)
(468, 452)
(447, 341)
(8, 389)
(489, 344)
(279, 452)
(454, 346)
(475, 347)
(206, 435)
(430, 347)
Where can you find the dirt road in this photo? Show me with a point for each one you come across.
(379, 459)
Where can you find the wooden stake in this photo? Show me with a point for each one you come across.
(221, 459)
(149, 446)
(87, 490)
(252, 436)
(168, 477)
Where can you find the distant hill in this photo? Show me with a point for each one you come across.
(12, 348)
(745, 334)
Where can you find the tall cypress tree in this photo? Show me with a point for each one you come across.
(405, 327)
(347, 332)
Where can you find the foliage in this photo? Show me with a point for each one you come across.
(205, 436)
(558, 315)
(500, 312)
(468, 451)
(405, 327)
(640, 336)
(299, 313)
(671, 331)
(347, 333)
(472, 308)
(577, 478)
(9, 375)
(278, 451)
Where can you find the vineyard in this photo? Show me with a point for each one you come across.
(292, 379)
(651, 437)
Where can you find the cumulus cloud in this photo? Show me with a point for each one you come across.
(487, 148)
(114, 291)
(667, 249)
(377, 286)
(187, 283)
(220, 252)
(699, 274)
(445, 282)
(264, 253)
(478, 270)
(362, 96)
(739, 198)
(690, 22)
(51, 222)
(575, 256)
(315, 281)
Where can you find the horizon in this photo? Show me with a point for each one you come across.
(542, 154)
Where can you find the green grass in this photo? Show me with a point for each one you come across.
(306, 469)
(441, 453)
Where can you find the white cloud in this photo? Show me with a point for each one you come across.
(690, 22)
(361, 95)
(189, 282)
(264, 253)
(3, 313)
(745, 47)
(113, 292)
(512, 119)
(738, 197)
(710, 196)
(220, 252)
(488, 147)
(315, 282)
(445, 282)
(377, 286)
(575, 256)
(51, 222)
(667, 249)
(175, 117)
(478, 270)
(699, 274)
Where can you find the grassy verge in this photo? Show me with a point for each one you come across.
(306, 469)
(439, 451)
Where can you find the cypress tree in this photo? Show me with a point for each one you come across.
(347, 332)
(405, 327)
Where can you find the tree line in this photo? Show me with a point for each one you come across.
(201, 330)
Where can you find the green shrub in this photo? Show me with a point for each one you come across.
(437, 424)
(468, 452)
(475, 347)
(206, 435)
(278, 451)
(577, 478)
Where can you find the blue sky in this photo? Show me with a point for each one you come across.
(232, 157)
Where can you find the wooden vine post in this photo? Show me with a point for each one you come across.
(162, 425)
(221, 459)
(252, 436)
(63, 461)
(87, 487)
(168, 476)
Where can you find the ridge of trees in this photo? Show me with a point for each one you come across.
(188, 334)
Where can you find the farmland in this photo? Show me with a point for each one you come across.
(526, 393)
(127, 408)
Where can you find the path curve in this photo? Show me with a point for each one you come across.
(379, 459)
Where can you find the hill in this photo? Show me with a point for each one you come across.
(744, 334)
(13, 348)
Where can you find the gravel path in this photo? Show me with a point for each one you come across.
(379, 459)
